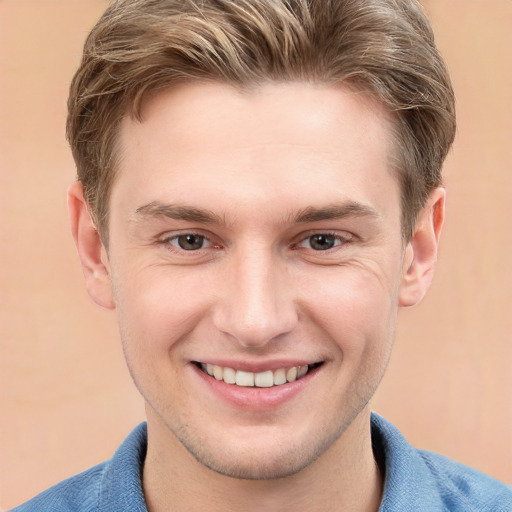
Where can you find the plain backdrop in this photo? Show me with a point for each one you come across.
(66, 400)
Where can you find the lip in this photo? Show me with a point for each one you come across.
(253, 398)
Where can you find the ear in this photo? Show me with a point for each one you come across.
(421, 252)
(91, 250)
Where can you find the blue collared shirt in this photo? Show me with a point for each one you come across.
(415, 481)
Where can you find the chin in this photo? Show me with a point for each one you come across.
(249, 467)
(265, 459)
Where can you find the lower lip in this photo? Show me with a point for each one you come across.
(253, 398)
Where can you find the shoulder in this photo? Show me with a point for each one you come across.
(427, 482)
(76, 494)
(113, 486)
(470, 489)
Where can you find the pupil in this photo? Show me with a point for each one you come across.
(322, 242)
(190, 242)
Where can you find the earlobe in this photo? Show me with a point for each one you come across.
(421, 252)
(90, 248)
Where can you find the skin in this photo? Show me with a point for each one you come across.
(255, 177)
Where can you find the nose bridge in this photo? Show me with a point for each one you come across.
(257, 303)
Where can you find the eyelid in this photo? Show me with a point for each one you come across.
(343, 237)
(167, 235)
(166, 239)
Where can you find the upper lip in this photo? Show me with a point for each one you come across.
(257, 366)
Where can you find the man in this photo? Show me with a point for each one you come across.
(258, 191)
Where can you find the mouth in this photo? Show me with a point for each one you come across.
(264, 379)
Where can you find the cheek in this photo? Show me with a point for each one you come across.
(357, 307)
(156, 308)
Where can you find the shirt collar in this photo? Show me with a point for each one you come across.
(121, 485)
(408, 483)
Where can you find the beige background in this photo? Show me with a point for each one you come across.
(66, 400)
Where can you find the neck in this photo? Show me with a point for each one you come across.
(344, 478)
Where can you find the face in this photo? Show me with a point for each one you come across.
(256, 260)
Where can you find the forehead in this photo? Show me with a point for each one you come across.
(278, 141)
(293, 110)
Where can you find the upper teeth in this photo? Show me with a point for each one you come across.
(265, 379)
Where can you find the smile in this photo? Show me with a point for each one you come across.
(264, 379)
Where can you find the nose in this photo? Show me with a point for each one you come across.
(257, 301)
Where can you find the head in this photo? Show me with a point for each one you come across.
(265, 178)
(383, 47)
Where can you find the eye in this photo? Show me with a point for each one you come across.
(189, 241)
(321, 242)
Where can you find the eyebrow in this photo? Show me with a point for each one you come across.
(309, 214)
(335, 211)
(179, 212)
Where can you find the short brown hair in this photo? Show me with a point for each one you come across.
(385, 47)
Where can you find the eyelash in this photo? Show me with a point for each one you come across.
(168, 241)
(338, 241)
